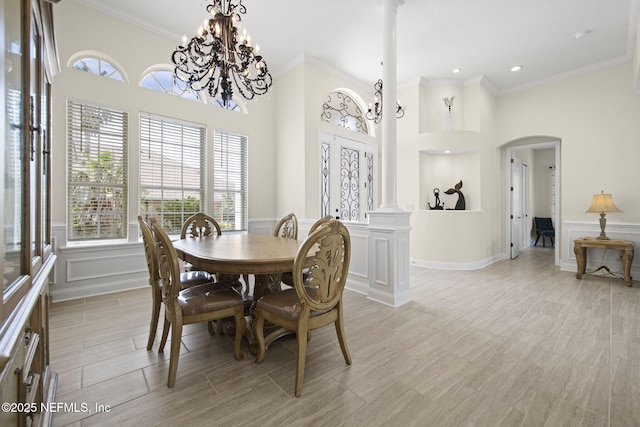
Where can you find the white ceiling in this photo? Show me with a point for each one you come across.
(481, 37)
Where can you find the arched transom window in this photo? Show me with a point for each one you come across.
(342, 110)
(99, 67)
(166, 81)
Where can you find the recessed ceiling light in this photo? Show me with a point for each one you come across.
(447, 151)
(581, 34)
(455, 70)
(516, 68)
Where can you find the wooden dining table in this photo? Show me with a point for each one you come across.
(232, 255)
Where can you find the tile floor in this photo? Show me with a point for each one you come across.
(519, 343)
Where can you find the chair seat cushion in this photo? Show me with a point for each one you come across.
(208, 297)
(286, 304)
(191, 278)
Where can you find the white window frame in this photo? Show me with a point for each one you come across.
(230, 177)
(168, 144)
(92, 128)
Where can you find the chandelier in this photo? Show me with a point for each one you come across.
(219, 58)
(375, 112)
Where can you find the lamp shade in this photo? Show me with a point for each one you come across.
(602, 203)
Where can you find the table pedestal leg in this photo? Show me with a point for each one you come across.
(266, 284)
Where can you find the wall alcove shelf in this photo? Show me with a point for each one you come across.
(447, 157)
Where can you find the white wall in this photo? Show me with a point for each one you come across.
(541, 171)
(595, 116)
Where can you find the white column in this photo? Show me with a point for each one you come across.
(389, 226)
(389, 97)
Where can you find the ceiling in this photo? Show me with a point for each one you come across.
(482, 38)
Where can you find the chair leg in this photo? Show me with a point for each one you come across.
(245, 278)
(258, 335)
(301, 356)
(543, 241)
(155, 314)
(341, 337)
(176, 338)
(165, 334)
(538, 238)
(241, 324)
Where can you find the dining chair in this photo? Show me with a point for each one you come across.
(287, 227)
(287, 278)
(187, 279)
(198, 225)
(312, 304)
(201, 303)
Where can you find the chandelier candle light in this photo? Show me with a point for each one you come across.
(375, 111)
(219, 58)
(602, 204)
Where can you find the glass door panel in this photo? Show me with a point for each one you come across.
(11, 166)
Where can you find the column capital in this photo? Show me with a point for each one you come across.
(393, 4)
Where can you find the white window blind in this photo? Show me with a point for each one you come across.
(97, 172)
(230, 181)
(172, 171)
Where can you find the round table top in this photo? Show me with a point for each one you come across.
(239, 253)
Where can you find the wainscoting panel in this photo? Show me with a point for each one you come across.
(381, 257)
(87, 270)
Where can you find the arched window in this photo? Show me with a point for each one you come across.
(166, 81)
(99, 67)
(231, 105)
(341, 109)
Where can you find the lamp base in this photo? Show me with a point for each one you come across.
(603, 224)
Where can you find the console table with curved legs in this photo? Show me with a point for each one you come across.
(626, 248)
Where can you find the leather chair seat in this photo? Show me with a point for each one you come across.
(207, 298)
(286, 304)
(191, 278)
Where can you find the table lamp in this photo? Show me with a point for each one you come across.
(602, 204)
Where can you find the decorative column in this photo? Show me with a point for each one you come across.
(389, 95)
(389, 226)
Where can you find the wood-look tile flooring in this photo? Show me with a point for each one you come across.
(518, 343)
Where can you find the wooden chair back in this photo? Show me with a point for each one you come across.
(287, 227)
(200, 225)
(168, 265)
(149, 250)
(322, 289)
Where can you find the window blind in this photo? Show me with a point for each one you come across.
(97, 172)
(230, 181)
(172, 170)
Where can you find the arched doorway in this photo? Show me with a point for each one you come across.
(539, 195)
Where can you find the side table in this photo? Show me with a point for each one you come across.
(625, 247)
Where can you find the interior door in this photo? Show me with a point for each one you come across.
(517, 215)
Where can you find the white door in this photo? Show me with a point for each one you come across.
(517, 215)
(348, 170)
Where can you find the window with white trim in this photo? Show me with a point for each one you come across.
(97, 172)
(230, 181)
(172, 170)
(99, 67)
(166, 81)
